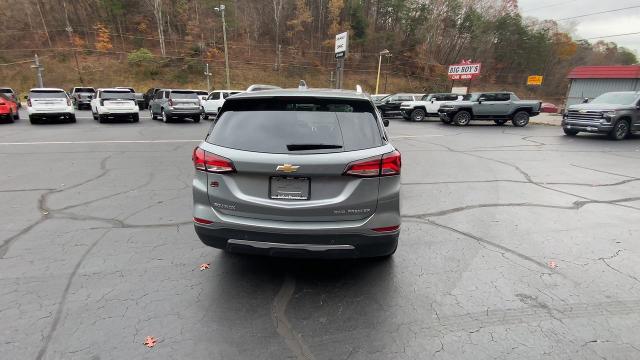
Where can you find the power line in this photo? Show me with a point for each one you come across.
(598, 13)
(608, 36)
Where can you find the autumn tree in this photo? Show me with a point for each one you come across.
(103, 38)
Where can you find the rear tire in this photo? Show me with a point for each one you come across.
(570, 132)
(196, 119)
(164, 116)
(135, 118)
(153, 115)
(620, 130)
(33, 120)
(462, 118)
(445, 121)
(500, 122)
(520, 119)
(16, 116)
(418, 115)
(72, 119)
(101, 119)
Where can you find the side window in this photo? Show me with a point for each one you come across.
(404, 98)
(215, 96)
(451, 97)
(225, 95)
(394, 98)
(488, 97)
(503, 97)
(167, 94)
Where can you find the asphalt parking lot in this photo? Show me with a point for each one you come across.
(516, 243)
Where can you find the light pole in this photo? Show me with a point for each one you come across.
(384, 52)
(220, 9)
(208, 74)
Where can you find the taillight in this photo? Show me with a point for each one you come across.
(386, 165)
(170, 102)
(68, 102)
(2, 103)
(29, 102)
(391, 164)
(209, 162)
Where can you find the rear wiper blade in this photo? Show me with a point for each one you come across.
(295, 147)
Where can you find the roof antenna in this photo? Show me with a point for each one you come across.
(359, 89)
(302, 85)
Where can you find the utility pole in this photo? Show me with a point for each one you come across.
(70, 32)
(220, 9)
(207, 74)
(39, 69)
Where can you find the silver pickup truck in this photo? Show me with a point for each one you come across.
(497, 106)
(616, 114)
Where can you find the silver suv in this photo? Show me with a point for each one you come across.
(298, 172)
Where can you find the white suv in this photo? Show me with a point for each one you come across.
(49, 104)
(214, 102)
(115, 104)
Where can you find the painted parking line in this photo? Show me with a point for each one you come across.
(101, 142)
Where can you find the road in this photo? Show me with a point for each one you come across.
(517, 243)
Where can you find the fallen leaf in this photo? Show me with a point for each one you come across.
(204, 266)
(45, 212)
(150, 341)
(552, 264)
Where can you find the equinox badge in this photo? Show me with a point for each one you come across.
(288, 168)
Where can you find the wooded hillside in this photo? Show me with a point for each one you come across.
(147, 42)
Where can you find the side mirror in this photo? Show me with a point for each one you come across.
(26, 97)
(90, 97)
(385, 122)
(585, 100)
(432, 101)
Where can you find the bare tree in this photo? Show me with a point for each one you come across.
(156, 5)
(44, 24)
(277, 11)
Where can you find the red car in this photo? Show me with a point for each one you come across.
(8, 108)
(549, 108)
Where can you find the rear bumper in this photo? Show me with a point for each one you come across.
(183, 112)
(314, 245)
(50, 115)
(587, 126)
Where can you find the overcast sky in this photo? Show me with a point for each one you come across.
(619, 22)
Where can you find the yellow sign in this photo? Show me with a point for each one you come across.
(534, 80)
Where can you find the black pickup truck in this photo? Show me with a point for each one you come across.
(616, 114)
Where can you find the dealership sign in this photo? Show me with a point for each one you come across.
(342, 45)
(466, 70)
(534, 80)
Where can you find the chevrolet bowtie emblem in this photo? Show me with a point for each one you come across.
(288, 168)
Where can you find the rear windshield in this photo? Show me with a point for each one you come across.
(6, 91)
(47, 94)
(202, 93)
(305, 125)
(85, 90)
(116, 95)
(183, 95)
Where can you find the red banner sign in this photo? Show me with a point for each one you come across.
(464, 71)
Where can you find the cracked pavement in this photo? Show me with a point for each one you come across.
(97, 251)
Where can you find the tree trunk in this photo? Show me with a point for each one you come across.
(44, 24)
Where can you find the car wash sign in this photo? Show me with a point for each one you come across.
(465, 70)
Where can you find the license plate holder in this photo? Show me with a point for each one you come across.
(289, 188)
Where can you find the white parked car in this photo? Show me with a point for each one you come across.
(114, 104)
(202, 95)
(49, 104)
(214, 101)
(427, 106)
